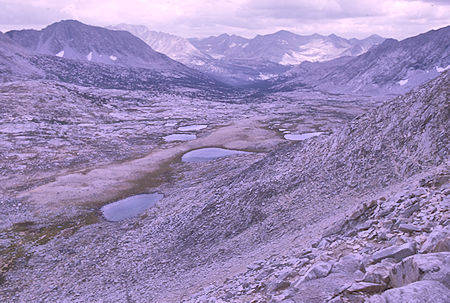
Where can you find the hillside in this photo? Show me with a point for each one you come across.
(393, 67)
(13, 61)
(242, 209)
(177, 48)
(74, 40)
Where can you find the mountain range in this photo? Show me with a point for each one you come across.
(392, 67)
(284, 47)
(73, 52)
(327, 63)
(238, 60)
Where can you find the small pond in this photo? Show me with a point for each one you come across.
(179, 137)
(301, 137)
(210, 153)
(129, 207)
(189, 128)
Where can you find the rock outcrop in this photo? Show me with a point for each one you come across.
(354, 264)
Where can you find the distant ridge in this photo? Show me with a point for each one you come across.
(284, 47)
(175, 47)
(391, 67)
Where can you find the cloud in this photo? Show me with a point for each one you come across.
(23, 13)
(393, 18)
(311, 9)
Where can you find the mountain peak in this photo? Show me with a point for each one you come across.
(72, 39)
(375, 36)
(68, 22)
(283, 32)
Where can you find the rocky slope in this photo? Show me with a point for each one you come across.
(392, 67)
(394, 246)
(74, 40)
(359, 254)
(225, 214)
(184, 81)
(394, 249)
(175, 47)
(13, 61)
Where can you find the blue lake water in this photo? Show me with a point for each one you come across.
(179, 137)
(301, 137)
(129, 207)
(210, 153)
(188, 128)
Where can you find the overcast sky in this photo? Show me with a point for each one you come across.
(199, 18)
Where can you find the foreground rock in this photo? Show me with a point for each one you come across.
(418, 292)
(360, 264)
(434, 266)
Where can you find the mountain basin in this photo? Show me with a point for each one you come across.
(210, 153)
(179, 137)
(195, 127)
(130, 207)
(301, 137)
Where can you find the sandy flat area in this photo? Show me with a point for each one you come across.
(101, 185)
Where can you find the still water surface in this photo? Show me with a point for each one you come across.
(130, 207)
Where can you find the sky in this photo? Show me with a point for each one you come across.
(201, 18)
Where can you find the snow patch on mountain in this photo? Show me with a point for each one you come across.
(217, 56)
(89, 56)
(114, 58)
(315, 51)
(60, 54)
(263, 76)
(442, 69)
(198, 62)
(402, 82)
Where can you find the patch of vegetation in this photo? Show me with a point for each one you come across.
(27, 234)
